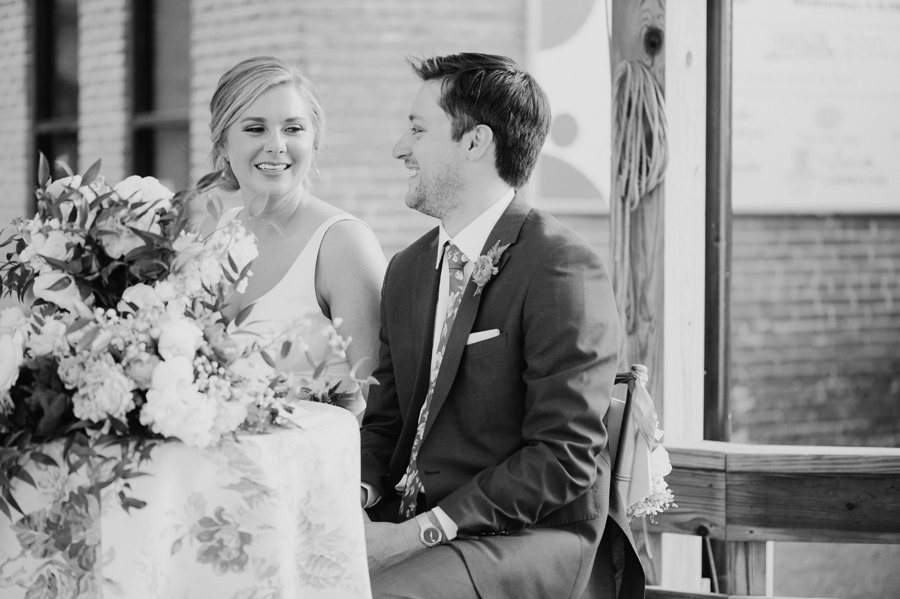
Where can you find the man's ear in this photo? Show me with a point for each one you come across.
(478, 141)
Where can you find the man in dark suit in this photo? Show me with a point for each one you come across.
(484, 454)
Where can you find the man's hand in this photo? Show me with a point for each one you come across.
(388, 544)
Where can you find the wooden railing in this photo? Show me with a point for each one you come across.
(749, 494)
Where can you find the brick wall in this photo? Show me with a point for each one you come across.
(103, 96)
(224, 32)
(15, 137)
(353, 51)
(816, 330)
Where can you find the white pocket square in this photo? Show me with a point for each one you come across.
(482, 336)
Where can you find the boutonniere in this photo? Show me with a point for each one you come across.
(486, 266)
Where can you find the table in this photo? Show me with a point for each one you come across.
(263, 516)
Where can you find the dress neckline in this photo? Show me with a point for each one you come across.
(314, 241)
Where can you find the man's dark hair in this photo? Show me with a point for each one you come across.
(485, 89)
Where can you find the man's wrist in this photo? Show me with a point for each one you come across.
(430, 533)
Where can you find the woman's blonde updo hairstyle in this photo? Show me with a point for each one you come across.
(240, 87)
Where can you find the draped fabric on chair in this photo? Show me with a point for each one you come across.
(618, 572)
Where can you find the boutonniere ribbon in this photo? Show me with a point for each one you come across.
(486, 266)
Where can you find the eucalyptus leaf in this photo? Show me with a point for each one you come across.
(243, 314)
(43, 458)
(91, 174)
(43, 170)
(64, 167)
(23, 474)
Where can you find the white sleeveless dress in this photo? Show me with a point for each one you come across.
(294, 298)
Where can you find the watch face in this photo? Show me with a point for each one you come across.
(431, 535)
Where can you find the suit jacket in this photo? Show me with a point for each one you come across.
(514, 441)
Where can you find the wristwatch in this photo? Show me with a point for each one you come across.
(429, 534)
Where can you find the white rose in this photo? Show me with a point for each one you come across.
(165, 291)
(55, 246)
(136, 189)
(12, 319)
(175, 408)
(121, 240)
(172, 374)
(210, 272)
(186, 414)
(141, 295)
(141, 370)
(51, 338)
(60, 289)
(178, 338)
(12, 355)
(58, 187)
(104, 391)
(230, 415)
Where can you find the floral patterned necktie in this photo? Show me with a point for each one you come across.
(455, 261)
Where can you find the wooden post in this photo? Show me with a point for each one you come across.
(667, 237)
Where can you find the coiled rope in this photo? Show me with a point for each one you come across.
(639, 157)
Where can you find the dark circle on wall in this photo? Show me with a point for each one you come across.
(564, 130)
(559, 24)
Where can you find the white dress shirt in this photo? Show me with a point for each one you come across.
(470, 242)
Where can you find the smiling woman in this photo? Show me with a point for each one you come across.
(314, 260)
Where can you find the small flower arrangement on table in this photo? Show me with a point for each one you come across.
(124, 344)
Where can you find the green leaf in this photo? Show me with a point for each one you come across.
(7, 495)
(8, 239)
(130, 502)
(60, 284)
(242, 315)
(356, 366)
(150, 239)
(43, 458)
(285, 349)
(23, 474)
(64, 167)
(320, 369)
(91, 173)
(267, 358)
(5, 509)
(43, 170)
(78, 325)
(214, 208)
(88, 338)
(117, 424)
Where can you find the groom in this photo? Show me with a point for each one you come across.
(484, 454)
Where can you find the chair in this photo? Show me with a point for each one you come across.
(629, 445)
(617, 553)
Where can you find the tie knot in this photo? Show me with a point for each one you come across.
(455, 258)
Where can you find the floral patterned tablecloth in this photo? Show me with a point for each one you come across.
(266, 516)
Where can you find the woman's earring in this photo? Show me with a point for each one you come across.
(316, 166)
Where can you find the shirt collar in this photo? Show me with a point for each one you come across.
(471, 240)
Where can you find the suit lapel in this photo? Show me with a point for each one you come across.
(506, 231)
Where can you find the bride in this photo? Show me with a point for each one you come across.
(266, 126)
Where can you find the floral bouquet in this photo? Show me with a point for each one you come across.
(124, 344)
(660, 498)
